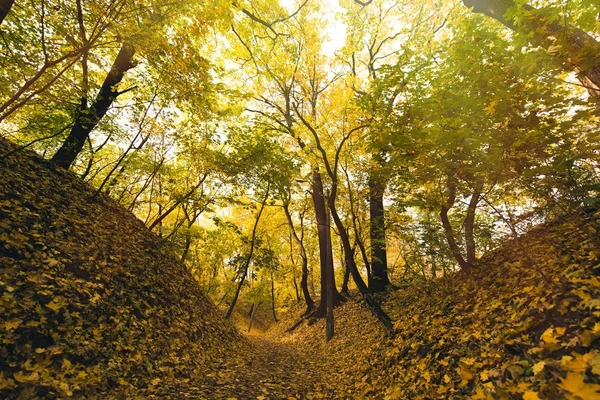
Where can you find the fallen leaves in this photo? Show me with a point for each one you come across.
(90, 303)
(502, 333)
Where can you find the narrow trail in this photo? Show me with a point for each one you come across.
(269, 370)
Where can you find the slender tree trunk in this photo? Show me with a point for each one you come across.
(5, 6)
(449, 232)
(297, 291)
(470, 223)
(252, 312)
(249, 258)
(377, 232)
(575, 50)
(273, 297)
(325, 251)
(186, 196)
(331, 291)
(345, 289)
(310, 304)
(357, 235)
(87, 118)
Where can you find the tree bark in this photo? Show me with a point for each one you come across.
(325, 251)
(380, 279)
(249, 257)
(470, 223)
(310, 304)
(575, 50)
(5, 6)
(252, 312)
(449, 232)
(346, 274)
(296, 289)
(87, 118)
(273, 297)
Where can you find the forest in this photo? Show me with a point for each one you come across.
(300, 199)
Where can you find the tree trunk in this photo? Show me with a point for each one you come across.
(273, 297)
(5, 6)
(357, 236)
(346, 273)
(575, 50)
(249, 258)
(449, 232)
(310, 304)
(163, 215)
(470, 223)
(252, 312)
(325, 251)
(380, 280)
(87, 118)
(296, 289)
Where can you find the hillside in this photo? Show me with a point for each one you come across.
(525, 325)
(90, 303)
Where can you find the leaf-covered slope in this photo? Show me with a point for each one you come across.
(526, 325)
(89, 302)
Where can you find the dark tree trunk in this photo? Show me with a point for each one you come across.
(87, 118)
(470, 223)
(357, 236)
(449, 232)
(252, 312)
(325, 251)
(346, 274)
(248, 258)
(380, 280)
(188, 243)
(273, 297)
(575, 49)
(310, 304)
(296, 289)
(163, 215)
(5, 6)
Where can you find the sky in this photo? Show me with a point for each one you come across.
(336, 31)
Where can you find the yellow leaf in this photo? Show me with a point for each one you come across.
(81, 375)
(466, 376)
(529, 395)
(484, 376)
(538, 367)
(55, 304)
(446, 378)
(155, 381)
(574, 384)
(491, 108)
(22, 378)
(12, 325)
(479, 395)
(577, 364)
(427, 376)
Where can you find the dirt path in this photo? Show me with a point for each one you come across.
(270, 370)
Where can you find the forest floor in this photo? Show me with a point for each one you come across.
(269, 369)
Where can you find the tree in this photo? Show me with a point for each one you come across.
(87, 117)
(574, 49)
(5, 6)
